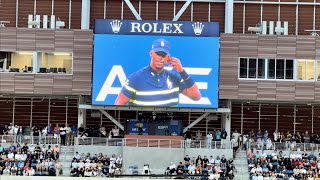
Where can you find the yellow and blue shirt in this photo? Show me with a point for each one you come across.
(147, 88)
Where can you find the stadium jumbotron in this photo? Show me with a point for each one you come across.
(132, 89)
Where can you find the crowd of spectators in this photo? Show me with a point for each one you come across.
(297, 165)
(30, 160)
(213, 168)
(95, 165)
(54, 134)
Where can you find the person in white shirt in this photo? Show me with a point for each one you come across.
(259, 169)
(274, 155)
(236, 135)
(31, 148)
(253, 170)
(172, 168)
(115, 131)
(119, 160)
(93, 164)
(264, 154)
(303, 170)
(260, 143)
(77, 156)
(10, 156)
(15, 129)
(74, 164)
(211, 160)
(87, 173)
(23, 157)
(269, 144)
(209, 140)
(260, 177)
(81, 164)
(87, 164)
(291, 178)
(17, 156)
(292, 155)
(191, 169)
(254, 177)
(296, 171)
(276, 136)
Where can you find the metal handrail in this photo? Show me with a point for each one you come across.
(29, 139)
(286, 145)
(136, 142)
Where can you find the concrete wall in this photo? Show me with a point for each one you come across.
(192, 152)
(158, 158)
(105, 150)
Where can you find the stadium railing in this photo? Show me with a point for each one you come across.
(50, 139)
(160, 143)
(286, 146)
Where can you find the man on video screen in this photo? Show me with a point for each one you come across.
(155, 86)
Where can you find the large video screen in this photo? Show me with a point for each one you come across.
(139, 70)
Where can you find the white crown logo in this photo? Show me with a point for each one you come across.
(115, 25)
(197, 28)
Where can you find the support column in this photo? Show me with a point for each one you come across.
(226, 123)
(37, 62)
(228, 28)
(82, 114)
(85, 14)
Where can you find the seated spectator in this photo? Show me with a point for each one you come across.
(191, 169)
(172, 168)
(198, 169)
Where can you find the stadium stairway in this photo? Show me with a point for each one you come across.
(241, 164)
(66, 156)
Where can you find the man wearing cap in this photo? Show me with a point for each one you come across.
(155, 86)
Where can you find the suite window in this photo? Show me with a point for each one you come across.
(261, 68)
(289, 69)
(243, 68)
(306, 69)
(252, 68)
(19, 62)
(271, 68)
(280, 68)
(57, 62)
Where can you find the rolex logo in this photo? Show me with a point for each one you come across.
(115, 25)
(197, 28)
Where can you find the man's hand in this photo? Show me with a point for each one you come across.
(175, 63)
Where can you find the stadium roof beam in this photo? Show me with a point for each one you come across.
(133, 10)
(196, 121)
(181, 11)
(112, 119)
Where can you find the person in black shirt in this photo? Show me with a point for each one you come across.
(25, 148)
(205, 160)
(81, 130)
(180, 169)
(187, 136)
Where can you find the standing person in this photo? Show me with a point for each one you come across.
(209, 140)
(224, 136)
(68, 134)
(188, 138)
(155, 86)
(63, 135)
(74, 133)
